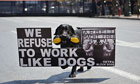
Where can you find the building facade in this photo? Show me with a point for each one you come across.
(67, 7)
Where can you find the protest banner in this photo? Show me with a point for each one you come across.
(35, 48)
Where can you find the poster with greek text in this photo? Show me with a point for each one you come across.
(99, 43)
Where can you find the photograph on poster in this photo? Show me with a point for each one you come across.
(100, 44)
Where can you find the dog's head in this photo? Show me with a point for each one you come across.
(65, 35)
(65, 30)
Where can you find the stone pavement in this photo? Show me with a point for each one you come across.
(126, 70)
(132, 17)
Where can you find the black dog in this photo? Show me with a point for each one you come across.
(65, 36)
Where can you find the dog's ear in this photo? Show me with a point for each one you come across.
(58, 31)
(72, 30)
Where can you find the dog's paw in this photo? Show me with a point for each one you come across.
(72, 75)
(88, 67)
(80, 69)
(64, 67)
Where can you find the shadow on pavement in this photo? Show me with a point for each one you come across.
(59, 78)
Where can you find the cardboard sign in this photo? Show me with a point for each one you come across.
(99, 43)
(35, 48)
